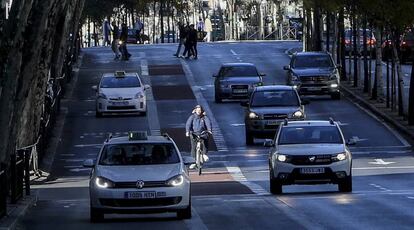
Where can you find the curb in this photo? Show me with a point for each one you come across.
(361, 101)
(13, 217)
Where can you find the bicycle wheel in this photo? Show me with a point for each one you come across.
(198, 158)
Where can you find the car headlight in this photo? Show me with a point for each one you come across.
(298, 114)
(281, 158)
(339, 156)
(102, 182)
(176, 180)
(102, 95)
(224, 86)
(120, 42)
(258, 84)
(334, 85)
(139, 95)
(253, 115)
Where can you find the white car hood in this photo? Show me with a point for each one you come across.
(130, 173)
(311, 149)
(121, 92)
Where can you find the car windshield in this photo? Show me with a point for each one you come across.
(139, 154)
(120, 82)
(238, 71)
(312, 61)
(309, 135)
(274, 98)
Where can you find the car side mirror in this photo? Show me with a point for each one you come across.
(268, 143)
(95, 87)
(286, 67)
(351, 142)
(147, 86)
(88, 163)
(244, 103)
(262, 74)
(188, 160)
(305, 102)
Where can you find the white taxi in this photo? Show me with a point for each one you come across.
(120, 92)
(139, 174)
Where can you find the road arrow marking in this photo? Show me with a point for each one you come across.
(357, 139)
(380, 162)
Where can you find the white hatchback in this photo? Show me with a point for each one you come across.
(139, 174)
(120, 92)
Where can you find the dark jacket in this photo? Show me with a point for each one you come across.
(198, 124)
(124, 33)
(192, 35)
(115, 33)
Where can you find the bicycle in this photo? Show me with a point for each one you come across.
(199, 151)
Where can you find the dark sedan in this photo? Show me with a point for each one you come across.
(236, 81)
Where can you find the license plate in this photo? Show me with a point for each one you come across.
(273, 122)
(313, 88)
(312, 170)
(141, 195)
(120, 103)
(239, 90)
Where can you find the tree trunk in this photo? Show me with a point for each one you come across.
(328, 30)
(355, 50)
(365, 52)
(400, 82)
(411, 98)
(377, 89)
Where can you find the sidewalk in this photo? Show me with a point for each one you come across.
(15, 212)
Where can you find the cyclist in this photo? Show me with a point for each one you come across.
(197, 123)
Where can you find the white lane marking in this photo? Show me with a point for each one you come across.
(357, 139)
(217, 134)
(236, 125)
(80, 169)
(234, 53)
(384, 167)
(410, 197)
(380, 162)
(239, 177)
(153, 123)
(87, 145)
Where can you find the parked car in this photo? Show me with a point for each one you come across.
(406, 47)
(310, 152)
(314, 73)
(139, 174)
(268, 107)
(236, 81)
(120, 92)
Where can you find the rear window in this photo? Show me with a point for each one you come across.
(238, 71)
(139, 154)
(310, 135)
(274, 98)
(312, 61)
(120, 82)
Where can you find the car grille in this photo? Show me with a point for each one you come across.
(119, 99)
(314, 78)
(140, 202)
(275, 116)
(147, 184)
(305, 160)
(121, 107)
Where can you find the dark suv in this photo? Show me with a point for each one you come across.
(314, 73)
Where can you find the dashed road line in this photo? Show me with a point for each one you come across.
(152, 112)
(239, 177)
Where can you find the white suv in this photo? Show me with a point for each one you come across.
(120, 92)
(139, 174)
(310, 152)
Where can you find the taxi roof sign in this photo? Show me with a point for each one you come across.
(137, 135)
(120, 73)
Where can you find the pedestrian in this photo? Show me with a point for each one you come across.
(187, 43)
(138, 27)
(115, 40)
(182, 35)
(208, 28)
(124, 38)
(200, 24)
(106, 29)
(192, 36)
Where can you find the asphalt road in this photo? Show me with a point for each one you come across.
(234, 191)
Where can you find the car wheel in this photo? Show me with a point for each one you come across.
(96, 215)
(249, 138)
(184, 213)
(98, 114)
(336, 96)
(217, 98)
(275, 185)
(346, 184)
